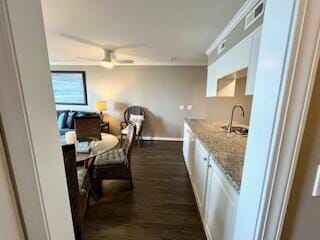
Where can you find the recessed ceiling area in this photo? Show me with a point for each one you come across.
(154, 30)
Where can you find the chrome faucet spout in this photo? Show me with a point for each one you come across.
(231, 115)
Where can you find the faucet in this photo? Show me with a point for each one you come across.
(231, 116)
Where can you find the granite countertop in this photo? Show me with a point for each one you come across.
(227, 150)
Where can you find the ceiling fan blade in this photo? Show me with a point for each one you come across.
(129, 46)
(81, 40)
(90, 59)
(124, 61)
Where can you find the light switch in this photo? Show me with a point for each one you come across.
(316, 186)
(189, 107)
(181, 107)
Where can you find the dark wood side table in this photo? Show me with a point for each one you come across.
(105, 127)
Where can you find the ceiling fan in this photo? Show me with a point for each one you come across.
(110, 58)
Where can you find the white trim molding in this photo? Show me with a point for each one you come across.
(240, 15)
(155, 138)
(302, 68)
(289, 55)
(30, 130)
(151, 138)
(88, 63)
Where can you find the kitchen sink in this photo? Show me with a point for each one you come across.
(238, 130)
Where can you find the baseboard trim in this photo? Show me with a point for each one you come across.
(149, 138)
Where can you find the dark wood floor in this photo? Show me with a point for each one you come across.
(161, 206)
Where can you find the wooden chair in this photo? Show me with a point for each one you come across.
(135, 110)
(114, 164)
(87, 128)
(79, 186)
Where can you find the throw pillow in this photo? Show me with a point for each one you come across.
(61, 120)
(70, 118)
(136, 118)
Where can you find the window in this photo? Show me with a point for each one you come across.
(69, 87)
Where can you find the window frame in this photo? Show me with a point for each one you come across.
(84, 82)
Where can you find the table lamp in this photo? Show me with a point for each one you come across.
(101, 106)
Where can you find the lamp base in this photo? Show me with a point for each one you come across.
(101, 116)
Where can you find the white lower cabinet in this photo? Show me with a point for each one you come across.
(199, 175)
(221, 205)
(216, 199)
(188, 148)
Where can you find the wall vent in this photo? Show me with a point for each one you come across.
(222, 46)
(254, 14)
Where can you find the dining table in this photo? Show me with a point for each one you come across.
(89, 149)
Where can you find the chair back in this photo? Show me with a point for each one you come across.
(87, 128)
(128, 145)
(136, 110)
(70, 164)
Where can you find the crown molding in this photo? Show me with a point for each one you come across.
(83, 63)
(242, 12)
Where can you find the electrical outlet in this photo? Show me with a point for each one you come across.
(181, 107)
(189, 107)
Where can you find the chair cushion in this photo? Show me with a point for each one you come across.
(83, 147)
(82, 173)
(116, 156)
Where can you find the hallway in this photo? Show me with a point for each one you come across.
(160, 207)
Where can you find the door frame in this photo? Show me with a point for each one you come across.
(11, 224)
(27, 111)
(289, 55)
(288, 114)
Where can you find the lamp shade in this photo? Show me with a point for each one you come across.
(101, 105)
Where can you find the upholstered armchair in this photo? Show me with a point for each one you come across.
(134, 115)
(79, 186)
(114, 164)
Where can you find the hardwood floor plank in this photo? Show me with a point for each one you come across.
(161, 206)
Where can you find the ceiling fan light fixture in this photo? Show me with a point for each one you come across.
(107, 64)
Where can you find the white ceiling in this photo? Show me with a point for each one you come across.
(162, 28)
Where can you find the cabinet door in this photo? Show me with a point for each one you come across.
(199, 175)
(212, 80)
(188, 149)
(221, 205)
(186, 138)
(251, 79)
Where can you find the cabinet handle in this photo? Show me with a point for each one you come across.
(205, 159)
(210, 166)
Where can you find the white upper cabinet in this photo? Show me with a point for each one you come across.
(243, 55)
(212, 80)
(251, 79)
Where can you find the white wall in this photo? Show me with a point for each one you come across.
(160, 90)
